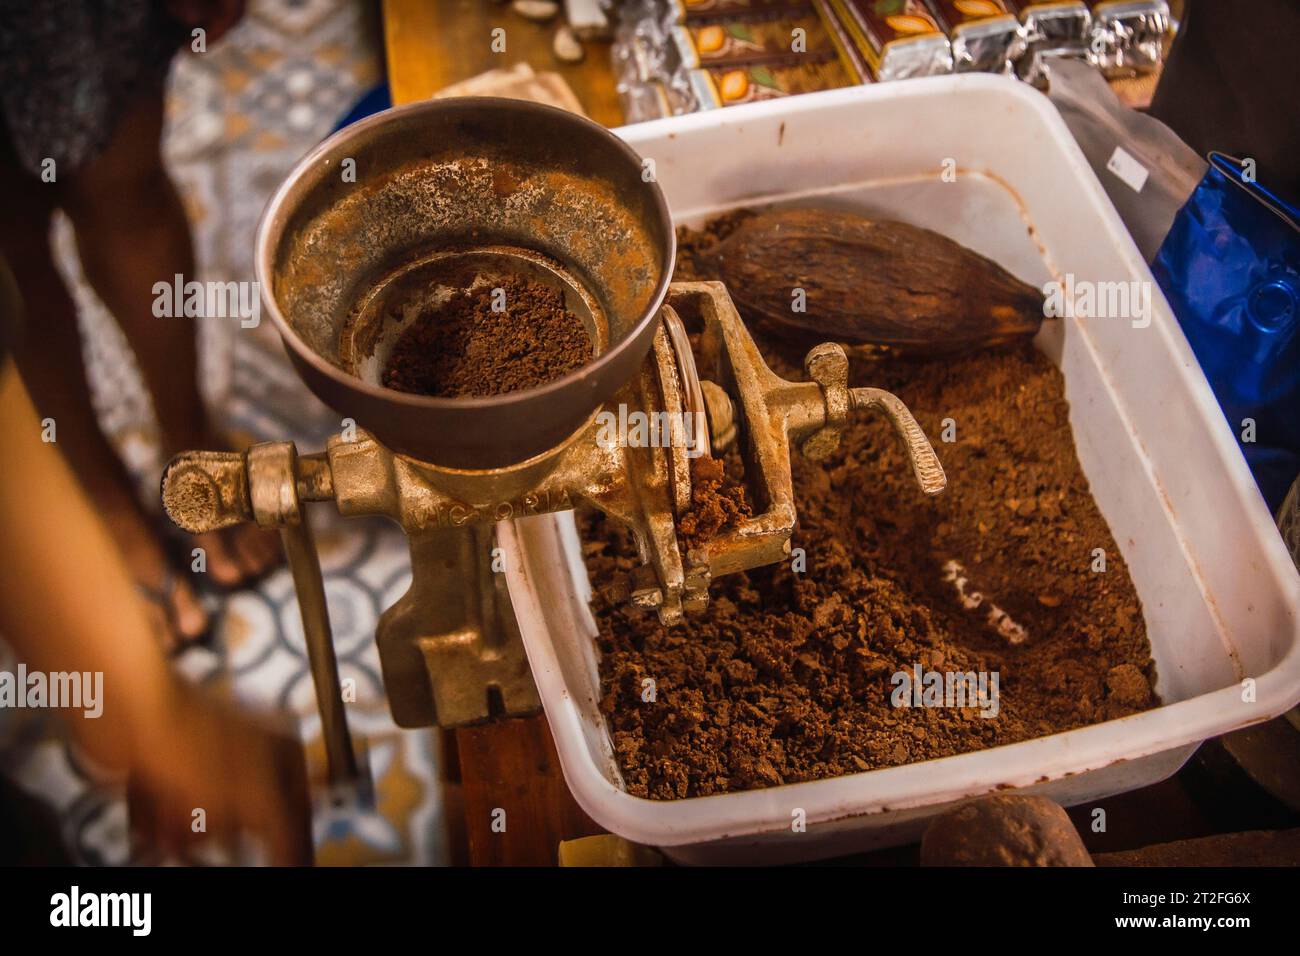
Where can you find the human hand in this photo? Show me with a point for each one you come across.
(199, 758)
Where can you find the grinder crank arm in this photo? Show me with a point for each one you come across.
(205, 490)
(812, 414)
(745, 400)
(828, 366)
(920, 453)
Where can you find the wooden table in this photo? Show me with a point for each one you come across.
(434, 43)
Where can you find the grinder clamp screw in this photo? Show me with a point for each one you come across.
(828, 366)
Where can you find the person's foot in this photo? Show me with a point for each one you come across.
(174, 612)
(238, 556)
(233, 558)
(171, 603)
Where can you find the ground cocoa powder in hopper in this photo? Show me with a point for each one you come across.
(789, 675)
(469, 346)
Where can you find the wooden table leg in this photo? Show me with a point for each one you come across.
(453, 798)
(517, 806)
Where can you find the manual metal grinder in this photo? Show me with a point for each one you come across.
(450, 194)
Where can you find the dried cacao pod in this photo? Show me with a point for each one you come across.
(871, 282)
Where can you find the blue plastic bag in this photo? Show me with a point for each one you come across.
(1230, 268)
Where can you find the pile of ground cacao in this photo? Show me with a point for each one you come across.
(463, 347)
(718, 502)
(787, 677)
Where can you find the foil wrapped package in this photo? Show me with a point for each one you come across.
(720, 86)
(684, 11)
(640, 45)
(752, 40)
(678, 56)
(1034, 65)
(1053, 22)
(1052, 30)
(657, 44)
(985, 35)
(1128, 35)
(745, 59)
(897, 38)
(646, 101)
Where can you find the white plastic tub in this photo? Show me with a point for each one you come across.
(1219, 592)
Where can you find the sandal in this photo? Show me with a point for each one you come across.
(163, 598)
(178, 549)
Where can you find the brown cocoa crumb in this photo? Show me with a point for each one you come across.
(462, 348)
(789, 674)
(717, 503)
(1126, 686)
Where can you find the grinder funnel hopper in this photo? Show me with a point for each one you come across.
(445, 194)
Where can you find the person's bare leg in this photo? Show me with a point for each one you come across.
(49, 358)
(132, 233)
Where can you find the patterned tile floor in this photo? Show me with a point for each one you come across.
(239, 117)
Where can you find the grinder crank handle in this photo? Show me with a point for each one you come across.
(828, 366)
(206, 490)
(925, 463)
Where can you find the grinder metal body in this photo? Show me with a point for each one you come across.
(458, 193)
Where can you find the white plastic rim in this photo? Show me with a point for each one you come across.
(1220, 596)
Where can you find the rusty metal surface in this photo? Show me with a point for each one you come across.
(769, 413)
(463, 174)
(206, 490)
(450, 647)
